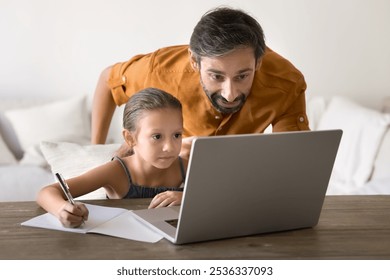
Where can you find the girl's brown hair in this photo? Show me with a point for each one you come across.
(146, 100)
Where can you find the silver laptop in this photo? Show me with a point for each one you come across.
(240, 185)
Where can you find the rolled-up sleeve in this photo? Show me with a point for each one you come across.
(295, 117)
(128, 77)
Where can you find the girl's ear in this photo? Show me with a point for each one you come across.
(128, 137)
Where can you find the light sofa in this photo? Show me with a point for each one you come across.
(39, 137)
(61, 128)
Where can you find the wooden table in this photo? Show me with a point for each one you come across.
(350, 227)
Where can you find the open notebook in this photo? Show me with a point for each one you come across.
(111, 221)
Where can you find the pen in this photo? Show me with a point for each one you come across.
(65, 188)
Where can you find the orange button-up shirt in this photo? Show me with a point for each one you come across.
(277, 96)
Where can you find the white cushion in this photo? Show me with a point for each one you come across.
(363, 129)
(64, 120)
(382, 161)
(71, 160)
(315, 107)
(6, 156)
(21, 182)
(9, 136)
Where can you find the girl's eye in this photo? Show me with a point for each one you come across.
(156, 136)
(178, 135)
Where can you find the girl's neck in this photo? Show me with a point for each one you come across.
(143, 173)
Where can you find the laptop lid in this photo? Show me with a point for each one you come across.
(240, 185)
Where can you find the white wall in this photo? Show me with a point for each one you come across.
(59, 47)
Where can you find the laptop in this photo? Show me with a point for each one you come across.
(241, 185)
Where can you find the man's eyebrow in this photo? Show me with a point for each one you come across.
(245, 70)
(222, 73)
(215, 71)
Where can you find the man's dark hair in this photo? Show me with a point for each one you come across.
(223, 30)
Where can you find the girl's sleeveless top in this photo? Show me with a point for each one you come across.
(137, 191)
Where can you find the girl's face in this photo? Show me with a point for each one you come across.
(157, 140)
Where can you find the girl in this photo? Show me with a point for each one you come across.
(152, 129)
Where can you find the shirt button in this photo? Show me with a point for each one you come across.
(217, 117)
(301, 119)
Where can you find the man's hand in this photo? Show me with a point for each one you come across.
(186, 147)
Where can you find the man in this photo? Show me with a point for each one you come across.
(227, 79)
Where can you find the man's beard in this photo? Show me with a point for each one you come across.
(214, 97)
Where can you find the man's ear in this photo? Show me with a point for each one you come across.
(258, 64)
(193, 62)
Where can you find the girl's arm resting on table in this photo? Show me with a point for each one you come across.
(52, 200)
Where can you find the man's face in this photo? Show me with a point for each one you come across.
(227, 80)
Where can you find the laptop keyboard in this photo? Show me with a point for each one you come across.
(172, 222)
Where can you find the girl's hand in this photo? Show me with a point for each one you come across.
(168, 198)
(73, 216)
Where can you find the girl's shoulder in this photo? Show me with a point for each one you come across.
(111, 169)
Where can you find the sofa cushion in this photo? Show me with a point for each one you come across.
(71, 159)
(382, 161)
(22, 182)
(363, 129)
(6, 155)
(9, 137)
(315, 107)
(63, 120)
